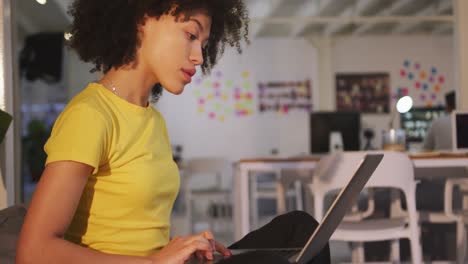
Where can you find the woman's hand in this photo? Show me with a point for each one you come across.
(180, 249)
(216, 246)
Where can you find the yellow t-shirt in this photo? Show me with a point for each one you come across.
(126, 204)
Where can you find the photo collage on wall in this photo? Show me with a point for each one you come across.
(284, 97)
(220, 98)
(363, 92)
(424, 83)
(427, 86)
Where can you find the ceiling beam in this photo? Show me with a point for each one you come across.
(312, 8)
(406, 27)
(336, 27)
(386, 12)
(439, 8)
(443, 29)
(360, 7)
(445, 6)
(261, 10)
(353, 19)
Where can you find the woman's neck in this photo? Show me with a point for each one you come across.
(130, 84)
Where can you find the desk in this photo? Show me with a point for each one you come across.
(441, 160)
(244, 166)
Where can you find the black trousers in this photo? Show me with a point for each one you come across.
(288, 230)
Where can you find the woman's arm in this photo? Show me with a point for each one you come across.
(51, 211)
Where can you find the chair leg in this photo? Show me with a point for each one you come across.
(415, 230)
(318, 204)
(395, 251)
(254, 202)
(280, 198)
(461, 241)
(211, 216)
(416, 249)
(357, 252)
(299, 198)
(281, 190)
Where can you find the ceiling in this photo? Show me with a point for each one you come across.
(294, 18)
(299, 18)
(33, 17)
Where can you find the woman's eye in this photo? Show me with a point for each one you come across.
(191, 36)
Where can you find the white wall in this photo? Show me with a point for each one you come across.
(281, 60)
(76, 72)
(256, 135)
(387, 54)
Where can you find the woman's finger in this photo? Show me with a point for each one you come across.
(210, 237)
(198, 237)
(222, 249)
(209, 255)
(207, 234)
(202, 246)
(195, 245)
(199, 254)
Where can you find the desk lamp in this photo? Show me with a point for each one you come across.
(395, 139)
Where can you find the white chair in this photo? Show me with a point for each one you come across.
(202, 181)
(275, 187)
(264, 185)
(3, 192)
(395, 171)
(291, 182)
(298, 178)
(460, 218)
(449, 216)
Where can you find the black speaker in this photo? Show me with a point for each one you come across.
(41, 57)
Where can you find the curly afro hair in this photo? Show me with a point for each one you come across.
(101, 24)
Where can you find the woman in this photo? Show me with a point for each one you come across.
(110, 182)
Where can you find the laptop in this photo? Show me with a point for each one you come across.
(460, 131)
(320, 237)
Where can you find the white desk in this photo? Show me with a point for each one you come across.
(440, 161)
(241, 179)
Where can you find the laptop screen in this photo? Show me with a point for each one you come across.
(461, 130)
(347, 196)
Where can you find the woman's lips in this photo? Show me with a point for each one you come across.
(187, 77)
(188, 74)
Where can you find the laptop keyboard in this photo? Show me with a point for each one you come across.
(285, 253)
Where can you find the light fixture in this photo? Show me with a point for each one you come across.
(67, 36)
(395, 139)
(42, 2)
(404, 104)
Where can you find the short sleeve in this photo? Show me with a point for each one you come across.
(162, 122)
(79, 134)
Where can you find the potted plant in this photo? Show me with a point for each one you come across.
(33, 147)
(5, 121)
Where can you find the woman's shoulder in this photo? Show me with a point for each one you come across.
(94, 96)
(87, 103)
(89, 96)
(156, 115)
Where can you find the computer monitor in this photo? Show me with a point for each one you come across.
(460, 131)
(417, 122)
(323, 123)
